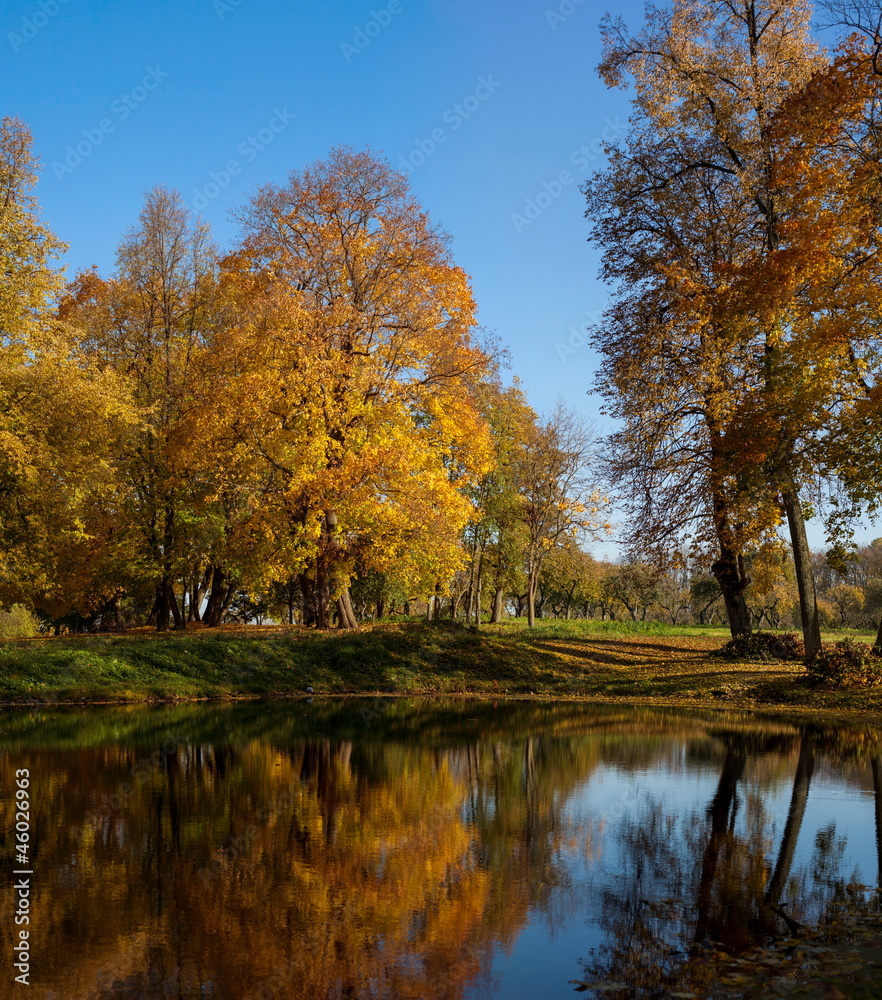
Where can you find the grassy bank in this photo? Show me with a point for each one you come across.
(586, 660)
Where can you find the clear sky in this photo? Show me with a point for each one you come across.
(505, 92)
(493, 108)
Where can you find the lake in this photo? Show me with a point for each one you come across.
(419, 850)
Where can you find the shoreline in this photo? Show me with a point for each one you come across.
(577, 662)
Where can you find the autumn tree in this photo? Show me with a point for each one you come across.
(827, 269)
(861, 16)
(358, 338)
(58, 418)
(28, 259)
(772, 594)
(569, 580)
(687, 201)
(673, 594)
(634, 585)
(558, 499)
(494, 538)
(149, 324)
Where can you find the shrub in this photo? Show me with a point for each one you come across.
(763, 647)
(17, 623)
(846, 664)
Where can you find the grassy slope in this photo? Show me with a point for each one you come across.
(610, 661)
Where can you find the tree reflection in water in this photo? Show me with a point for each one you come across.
(694, 885)
(295, 852)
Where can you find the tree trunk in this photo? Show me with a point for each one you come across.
(162, 609)
(307, 588)
(227, 601)
(811, 624)
(497, 606)
(117, 619)
(219, 598)
(804, 768)
(478, 588)
(729, 568)
(345, 612)
(433, 608)
(877, 648)
(200, 588)
(730, 576)
(381, 607)
(322, 594)
(154, 611)
(172, 601)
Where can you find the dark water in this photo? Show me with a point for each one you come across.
(406, 849)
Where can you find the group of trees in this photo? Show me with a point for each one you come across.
(258, 432)
(740, 220)
(573, 584)
(308, 426)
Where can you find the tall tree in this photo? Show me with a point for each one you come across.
(373, 367)
(57, 417)
(688, 198)
(494, 538)
(149, 324)
(819, 409)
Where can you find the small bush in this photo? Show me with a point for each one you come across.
(846, 664)
(17, 623)
(763, 647)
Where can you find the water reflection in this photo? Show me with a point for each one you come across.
(432, 851)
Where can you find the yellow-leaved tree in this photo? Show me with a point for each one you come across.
(355, 383)
(58, 418)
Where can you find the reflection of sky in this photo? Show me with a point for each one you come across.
(852, 811)
(543, 960)
(542, 964)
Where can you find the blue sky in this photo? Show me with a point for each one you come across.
(482, 104)
(493, 109)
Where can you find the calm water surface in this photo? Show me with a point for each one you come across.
(421, 850)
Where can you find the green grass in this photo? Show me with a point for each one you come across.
(647, 662)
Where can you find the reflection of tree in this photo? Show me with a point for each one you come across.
(877, 799)
(373, 863)
(714, 921)
(718, 864)
(805, 766)
(305, 868)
